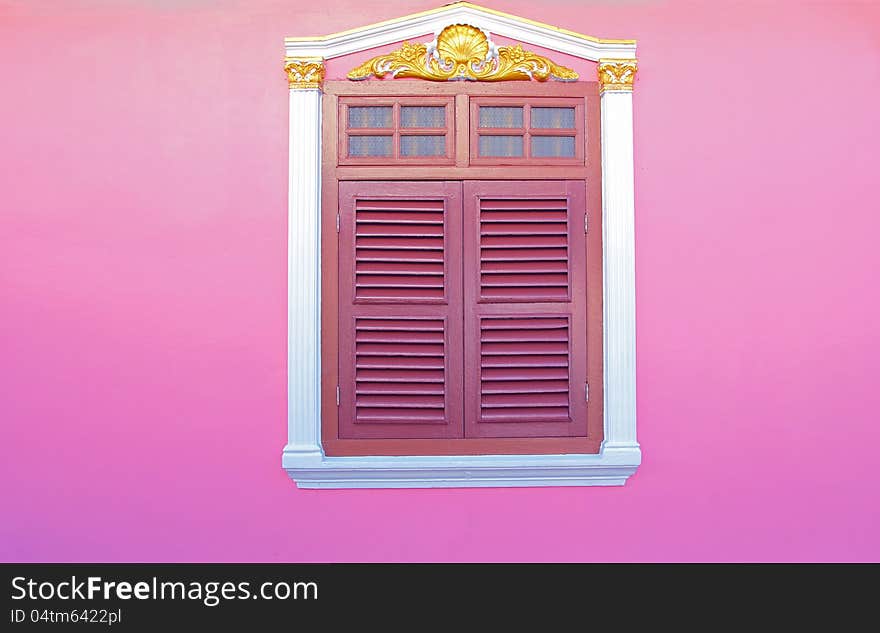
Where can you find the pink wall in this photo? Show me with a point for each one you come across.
(142, 272)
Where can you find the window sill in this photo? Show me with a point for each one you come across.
(611, 467)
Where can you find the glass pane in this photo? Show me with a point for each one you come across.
(553, 118)
(369, 116)
(369, 146)
(494, 116)
(423, 116)
(501, 146)
(423, 145)
(553, 146)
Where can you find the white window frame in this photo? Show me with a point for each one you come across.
(303, 457)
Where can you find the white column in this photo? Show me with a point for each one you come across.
(304, 275)
(619, 258)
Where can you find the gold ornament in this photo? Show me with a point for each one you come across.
(616, 74)
(304, 74)
(462, 51)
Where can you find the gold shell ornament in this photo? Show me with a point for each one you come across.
(463, 52)
(462, 46)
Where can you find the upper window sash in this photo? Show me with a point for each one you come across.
(396, 130)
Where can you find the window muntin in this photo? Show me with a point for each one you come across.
(406, 130)
(509, 130)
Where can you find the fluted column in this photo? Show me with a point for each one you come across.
(304, 254)
(616, 84)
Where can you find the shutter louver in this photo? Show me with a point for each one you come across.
(524, 369)
(525, 342)
(523, 250)
(400, 371)
(426, 351)
(399, 251)
(400, 332)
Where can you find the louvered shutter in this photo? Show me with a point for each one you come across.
(525, 323)
(400, 354)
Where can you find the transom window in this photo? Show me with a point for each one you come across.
(380, 131)
(537, 131)
(500, 131)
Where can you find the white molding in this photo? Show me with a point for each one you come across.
(303, 457)
(618, 260)
(608, 469)
(432, 22)
(304, 276)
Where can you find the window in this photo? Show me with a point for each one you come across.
(525, 306)
(537, 131)
(402, 130)
(462, 315)
(456, 342)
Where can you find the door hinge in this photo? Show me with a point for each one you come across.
(337, 223)
(337, 395)
(586, 222)
(587, 391)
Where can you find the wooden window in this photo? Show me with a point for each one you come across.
(525, 323)
(462, 292)
(507, 130)
(401, 130)
(400, 310)
(462, 319)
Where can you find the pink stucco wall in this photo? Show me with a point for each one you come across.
(142, 293)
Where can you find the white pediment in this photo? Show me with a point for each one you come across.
(429, 23)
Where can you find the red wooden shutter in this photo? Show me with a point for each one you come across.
(400, 353)
(525, 327)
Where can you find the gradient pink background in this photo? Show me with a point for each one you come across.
(143, 318)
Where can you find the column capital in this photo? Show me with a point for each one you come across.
(616, 74)
(304, 73)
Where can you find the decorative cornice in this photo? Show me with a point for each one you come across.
(616, 75)
(415, 26)
(304, 74)
(463, 51)
(451, 8)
